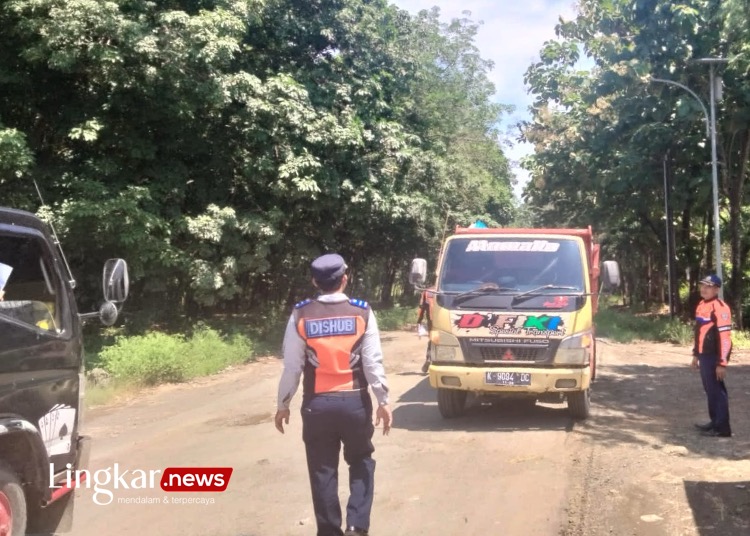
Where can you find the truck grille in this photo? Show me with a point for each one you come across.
(498, 353)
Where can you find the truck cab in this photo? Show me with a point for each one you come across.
(41, 374)
(512, 316)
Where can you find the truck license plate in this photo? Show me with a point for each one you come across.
(494, 377)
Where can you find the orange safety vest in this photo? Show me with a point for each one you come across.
(333, 333)
(713, 330)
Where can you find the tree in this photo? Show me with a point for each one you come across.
(219, 146)
(601, 143)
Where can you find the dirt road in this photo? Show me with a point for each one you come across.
(635, 467)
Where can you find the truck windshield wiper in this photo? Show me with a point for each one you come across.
(481, 290)
(537, 291)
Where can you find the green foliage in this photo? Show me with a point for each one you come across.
(156, 357)
(396, 318)
(220, 146)
(625, 326)
(601, 136)
(740, 340)
(15, 157)
(208, 352)
(149, 359)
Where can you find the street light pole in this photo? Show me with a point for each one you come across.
(711, 131)
(714, 164)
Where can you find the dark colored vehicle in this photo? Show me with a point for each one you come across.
(41, 375)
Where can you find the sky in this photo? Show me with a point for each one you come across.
(512, 34)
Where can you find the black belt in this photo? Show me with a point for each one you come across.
(357, 392)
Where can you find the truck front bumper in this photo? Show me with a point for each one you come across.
(543, 380)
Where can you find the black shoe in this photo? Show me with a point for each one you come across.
(705, 427)
(716, 433)
(352, 531)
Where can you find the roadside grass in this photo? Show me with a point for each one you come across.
(132, 362)
(101, 395)
(156, 357)
(625, 326)
(741, 340)
(395, 318)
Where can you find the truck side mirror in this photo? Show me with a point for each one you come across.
(611, 274)
(115, 282)
(418, 273)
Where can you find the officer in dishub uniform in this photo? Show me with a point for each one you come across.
(713, 346)
(335, 342)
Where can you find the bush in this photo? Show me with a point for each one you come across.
(677, 332)
(622, 325)
(147, 359)
(208, 352)
(396, 318)
(157, 358)
(740, 340)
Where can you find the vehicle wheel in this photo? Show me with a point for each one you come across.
(12, 505)
(451, 402)
(52, 519)
(579, 404)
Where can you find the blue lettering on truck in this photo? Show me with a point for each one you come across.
(331, 327)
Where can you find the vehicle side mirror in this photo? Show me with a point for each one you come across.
(108, 313)
(115, 281)
(418, 273)
(611, 274)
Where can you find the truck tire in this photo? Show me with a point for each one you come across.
(52, 519)
(12, 504)
(451, 402)
(579, 404)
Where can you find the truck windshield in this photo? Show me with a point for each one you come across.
(515, 265)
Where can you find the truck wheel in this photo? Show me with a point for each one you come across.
(12, 505)
(451, 402)
(579, 404)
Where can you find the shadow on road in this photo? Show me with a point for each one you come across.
(720, 508)
(647, 405)
(418, 411)
(422, 392)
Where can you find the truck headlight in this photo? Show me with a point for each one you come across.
(445, 347)
(445, 353)
(574, 350)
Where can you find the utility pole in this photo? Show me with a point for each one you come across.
(715, 83)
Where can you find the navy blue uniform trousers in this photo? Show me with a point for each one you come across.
(716, 393)
(328, 421)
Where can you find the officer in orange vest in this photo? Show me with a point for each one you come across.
(334, 341)
(713, 346)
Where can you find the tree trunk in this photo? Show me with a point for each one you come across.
(389, 278)
(687, 245)
(650, 287)
(736, 190)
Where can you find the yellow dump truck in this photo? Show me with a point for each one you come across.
(512, 315)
